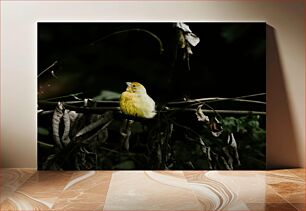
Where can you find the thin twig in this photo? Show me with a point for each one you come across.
(42, 112)
(212, 109)
(237, 100)
(45, 144)
(93, 110)
(161, 49)
(65, 96)
(217, 99)
(219, 111)
(71, 106)
(48, 68)
(75, 102)
(110, 150)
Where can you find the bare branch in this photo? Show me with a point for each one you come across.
(65, 96)
(102, 106)
(45, 145)
(217, 99)
(219, 111)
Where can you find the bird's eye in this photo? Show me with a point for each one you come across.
(133, 85)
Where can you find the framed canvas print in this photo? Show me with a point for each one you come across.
(151, 95)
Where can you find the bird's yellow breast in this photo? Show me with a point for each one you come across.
(139, 105)
(127, 104)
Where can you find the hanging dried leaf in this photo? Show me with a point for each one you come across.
(181, 39)
(232, 142)
(225, 163)
(208, 154)
(192, 39)
(215, 127)
(184, 27)
(188, 51)
(230, 158)
(72, 115)
(65, 137)
(186, 39)
(200, 115)
(57, 115)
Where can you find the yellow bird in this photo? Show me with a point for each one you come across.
(135, 101)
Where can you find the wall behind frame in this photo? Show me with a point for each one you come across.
(285, 64)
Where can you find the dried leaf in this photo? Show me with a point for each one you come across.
(57, 115)
(225, 163)
(183, 27)
(65, 137)
(72, 115)
(200, 115)
(215, 127)
(189, 51)
(181, 39)
(188, 38)
(192, 39)
(230, 159)
(232, 142)
(208, 154)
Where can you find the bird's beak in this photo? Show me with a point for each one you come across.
(128, 83)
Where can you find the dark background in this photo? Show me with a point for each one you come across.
(229, 61)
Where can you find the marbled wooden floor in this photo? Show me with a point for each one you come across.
(28, 189)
